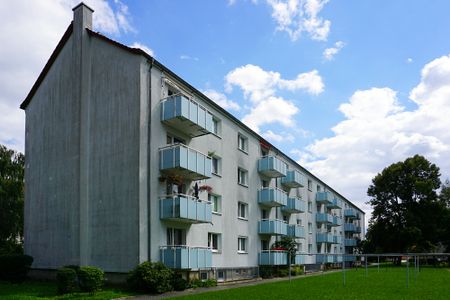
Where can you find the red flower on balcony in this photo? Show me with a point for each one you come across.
(205, 188)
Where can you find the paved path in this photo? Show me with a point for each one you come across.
(221, 287)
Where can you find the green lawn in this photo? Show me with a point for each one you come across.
(388, 283)
(47, 290)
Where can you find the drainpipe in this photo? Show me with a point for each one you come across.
(149, 136)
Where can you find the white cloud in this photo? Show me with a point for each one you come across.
(310, 82)
(409, 60)
(329, 53)
(300, 16)
(29, 33)
(281, 137)
(378, 131)
(221, 100)
(143, 47)
(187, 57)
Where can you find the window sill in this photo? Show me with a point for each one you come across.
(243, 219)
(216, 251)
(216, 213)
(244, 185)
(216, 174)
(243, 151)
(242, 252)
(216, 135)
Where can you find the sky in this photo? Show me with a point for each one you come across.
(343, 87)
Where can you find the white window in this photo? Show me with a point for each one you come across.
(216, 126)
(214, 242)
(310, 206)
(242, 176)
(299, 222)
(310, 248)
(176, 237)
(242, 244)
(242, 143)
(310, 227)
(216, 165)
(309, 185)
(265, 183)
(216, 203)
(174, 140)
(242, 210)
(319, 188)
(300, 247)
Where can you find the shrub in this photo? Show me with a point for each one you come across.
(179, 283)
(265, 272)
(15, 267)
(283, 272)
(90, 278)
(151, 277)
(210, 283)
(66, 279)
(195, 283)
(296, 270)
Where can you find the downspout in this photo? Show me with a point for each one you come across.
(149, 136)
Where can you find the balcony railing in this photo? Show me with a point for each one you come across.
(272, 197)
(358, 229)
(349, 258)
(337, 239)
(335, 204)
(272, 227)
(350, 213)
(183, 257)
(324, 198)
(324, 238)
(294, 205)
(350, 243)
(272, 258)
(322, 259)
(324, 218)
(300, 259)
(272, 166)
(296, 231)
(337, 259)
(337, 221)
(186, 116)
(184, 208)
(349, 227)
(293, 179)
(180, 160)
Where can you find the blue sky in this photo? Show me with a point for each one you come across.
(343, 87)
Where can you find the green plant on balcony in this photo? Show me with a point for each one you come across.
(287, 244)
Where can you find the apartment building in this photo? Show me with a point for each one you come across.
(127, 162)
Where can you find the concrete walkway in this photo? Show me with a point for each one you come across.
(197, 291)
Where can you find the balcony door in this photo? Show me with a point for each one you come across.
(176, 237)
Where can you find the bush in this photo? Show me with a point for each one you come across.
(296, 270)
(283, 272)
(66, 279)
(90, 278)
(196, 283)
(179, 283)
(151, 277)
(15, 267)
(265, 272)
(210, 283)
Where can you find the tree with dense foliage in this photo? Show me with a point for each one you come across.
(408, 215)
(11, 199)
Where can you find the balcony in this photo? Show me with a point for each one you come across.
(186, 116)
(296, 231)
(349, 227)
(294, 205)
(324, 198)
(357, 229)
(335, 204)
(349, 258)
(293, 179)
(337, 259)
(272, 227)
(183, 257)
(186, 209)
(337, 221)
(272, 258)
(272, 167)
(324, 218)
(272, 197)
(299, 259)
(350, 213)
(337, 239)
(324, 238)
(323, 259)
(180, 160)
(350, 243)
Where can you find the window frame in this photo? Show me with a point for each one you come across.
(219, 165)
(244, 145)
(244, 176)
(218, 199)
(245, 244)
(218, 237)
(216, 130)
(245, 206)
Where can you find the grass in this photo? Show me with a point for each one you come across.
(387, 283)
(32, 290)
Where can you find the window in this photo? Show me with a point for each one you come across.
(220, 276)
(216, 126)
(310, 227)
(310, 248)
(203, 276)
(299, 222)
(174, 140)
(300, 247)
(242, 177)
(214, 242)
(319, 188)
(264, 214)
(264, 151)
(242, 143)
(264, 245)
(176, 237)
(309, 185)
(216, 203)
(265, 183)
(310, 206)
(242, 244)
(285, 218)
(216, 165)
(242, 210)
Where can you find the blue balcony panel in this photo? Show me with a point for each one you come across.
(182, 161)
(358, 229)
(294, 205)
(350, 242)
(272, 197)
(337, 239)
(186, 116)
(324, 218)
(324, 238)
(323, 259)
(349, 257)
(296, 231)
(183, 257)
(272, 258)
(350, 213)
(293, 179)
(186, 209)
(337, 221)
(324, 198)
(349, 227)
(335, 204)
(299, 259)
(271, 166)
(272, 227)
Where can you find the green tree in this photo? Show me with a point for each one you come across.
(11, 199)
(287, 243)
(407, 213)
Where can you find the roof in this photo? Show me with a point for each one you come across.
(156, 63)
